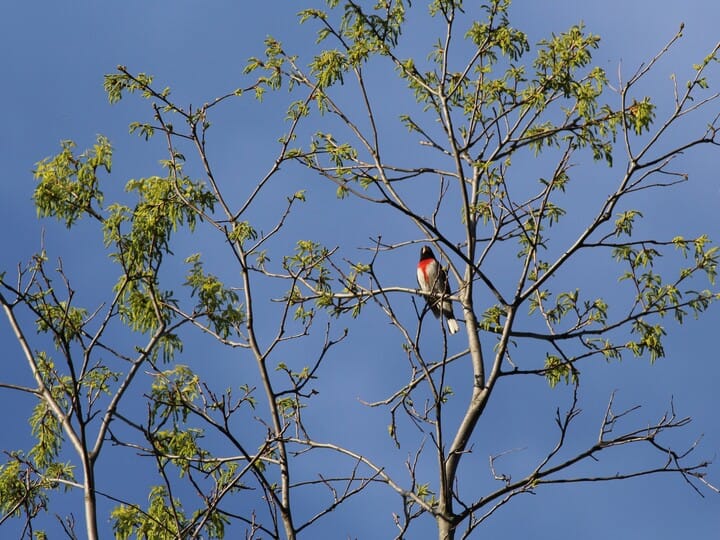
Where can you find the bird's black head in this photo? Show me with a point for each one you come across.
(426, 253)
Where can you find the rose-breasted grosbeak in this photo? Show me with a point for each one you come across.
(434, 284)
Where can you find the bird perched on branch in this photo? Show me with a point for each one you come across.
(434, 284)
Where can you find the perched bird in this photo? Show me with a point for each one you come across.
(434, 284)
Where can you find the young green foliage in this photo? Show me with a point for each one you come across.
(68, 185)
(216, 302)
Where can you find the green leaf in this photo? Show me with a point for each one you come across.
(68, 185)
(219, 304)
(557, 370)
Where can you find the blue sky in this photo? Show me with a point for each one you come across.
(54, 58)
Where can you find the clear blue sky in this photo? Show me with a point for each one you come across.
(54, 57)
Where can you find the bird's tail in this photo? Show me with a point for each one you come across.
(453, 326)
